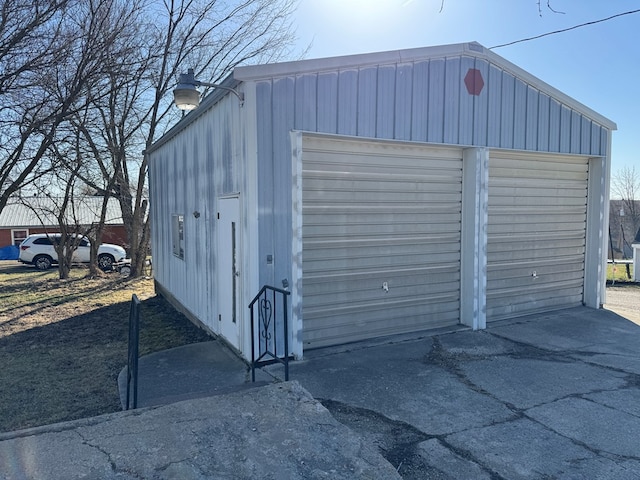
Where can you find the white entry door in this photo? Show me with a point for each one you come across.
(228, 269)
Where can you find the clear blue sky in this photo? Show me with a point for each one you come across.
(598, 65)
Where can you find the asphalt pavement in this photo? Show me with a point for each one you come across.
(548, 396)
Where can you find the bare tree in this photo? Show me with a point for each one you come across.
(100, 72)
(625, 189)
(50, 51)
(133, 104)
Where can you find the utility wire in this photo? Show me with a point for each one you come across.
(564, 29)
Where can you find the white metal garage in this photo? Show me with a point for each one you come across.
(383, 193)
(536, 232)
(381, 238)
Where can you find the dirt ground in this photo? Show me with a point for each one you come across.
(624, 299)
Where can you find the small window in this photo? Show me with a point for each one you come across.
(177, 232)
(42, 241)
(19, 236)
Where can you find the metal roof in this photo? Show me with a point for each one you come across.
(41, 211)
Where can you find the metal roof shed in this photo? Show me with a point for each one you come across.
(390, 192)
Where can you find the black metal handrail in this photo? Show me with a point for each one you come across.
(132, 358)
(273, 342)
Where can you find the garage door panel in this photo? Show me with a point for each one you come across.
(373, 328)
(374, 322)
(383, 308)
(519, 163)
(385, 265)
(536, 232)
(377, 213)
(571, 254)
(511, 282)
(537, 214)
(551, 265)
(507, 244)
(551, 199)
(370, 290)
(392, 222)
(548, 173)
(502, 227)
(368, 180)
(370, 192)
(538, 291)
(552, 253)
(412, 247)
(547, 304)
(360, 200)
(367, 230)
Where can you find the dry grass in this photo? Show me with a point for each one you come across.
(63, 343)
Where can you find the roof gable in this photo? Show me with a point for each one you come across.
(398, 57)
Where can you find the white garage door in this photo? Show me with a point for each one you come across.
(536, 234)
(380, 238)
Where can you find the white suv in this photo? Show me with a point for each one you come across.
(38, 250)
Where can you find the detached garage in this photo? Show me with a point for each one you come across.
(388, 193)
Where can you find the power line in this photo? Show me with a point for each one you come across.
(564, 29)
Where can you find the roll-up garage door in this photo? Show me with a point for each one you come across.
(380, 238)
(536, 234)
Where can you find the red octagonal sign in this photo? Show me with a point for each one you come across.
(473, 81)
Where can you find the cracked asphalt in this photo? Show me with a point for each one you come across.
(550, 396)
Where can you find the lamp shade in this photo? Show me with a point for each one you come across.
(186, 96)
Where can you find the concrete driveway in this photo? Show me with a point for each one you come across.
(546, 396)
(551, 396)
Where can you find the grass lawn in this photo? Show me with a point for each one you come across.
(63, 342)
(619, 272)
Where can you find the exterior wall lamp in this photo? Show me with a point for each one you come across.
(186, 95)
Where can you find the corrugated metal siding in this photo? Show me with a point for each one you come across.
(422, 101)
(188, 175)
(426, 100)
(377, 212)
(536, 233)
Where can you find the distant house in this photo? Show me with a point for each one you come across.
(25, 216)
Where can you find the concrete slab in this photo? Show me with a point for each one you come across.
(629, 363)
(191, 371)
(273, 432)
(573, 330)
(477, 344)
(603, 469)
(448, 465)
(626, 400)
(399, 382)
(521, 449)
(527, 382)
(600, 428)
